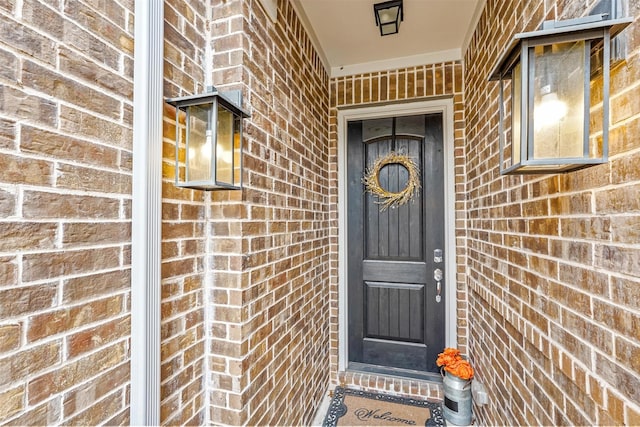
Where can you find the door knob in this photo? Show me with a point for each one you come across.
(437, 274)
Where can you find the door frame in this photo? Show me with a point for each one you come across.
(440, 105)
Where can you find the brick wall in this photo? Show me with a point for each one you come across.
(553, 273)
(185, 215)
(268, 356)
(378, 88)
(249, 302)
(65, 201)
(65, 144)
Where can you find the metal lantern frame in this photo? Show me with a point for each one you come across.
(211, 100)
(596, 32)
(394, 24)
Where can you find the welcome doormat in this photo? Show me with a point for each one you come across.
(360, 408)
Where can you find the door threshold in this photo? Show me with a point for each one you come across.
(395, 372)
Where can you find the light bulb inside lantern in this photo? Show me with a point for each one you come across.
(205, 150)
(549, 111)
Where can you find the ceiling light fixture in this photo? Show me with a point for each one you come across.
(389, 14)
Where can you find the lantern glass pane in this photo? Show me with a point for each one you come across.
(237, 151)
(386, 29)
(198, 143)
(225, 146)
(389, 15)
(516, 111)
(558, 116)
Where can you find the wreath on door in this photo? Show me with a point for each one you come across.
(386, 199)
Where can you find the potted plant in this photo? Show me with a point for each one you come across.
(457, 374)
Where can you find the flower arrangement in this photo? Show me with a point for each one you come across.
(451, 361)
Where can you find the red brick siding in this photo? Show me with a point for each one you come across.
(184, 230)
(552, 260)
(65, 195)
(269, 325)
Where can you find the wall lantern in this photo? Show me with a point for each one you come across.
(388, 16)
(557, 106)
(212, 153)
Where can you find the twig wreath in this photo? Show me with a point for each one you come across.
(386, 198)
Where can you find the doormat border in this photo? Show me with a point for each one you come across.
(337, 408)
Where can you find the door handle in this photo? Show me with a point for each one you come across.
(437, 275)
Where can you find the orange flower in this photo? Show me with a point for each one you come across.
(461, 369)
(448, 357)
(451, 351)
(452, 362)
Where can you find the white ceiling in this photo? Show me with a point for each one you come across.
(346, 34)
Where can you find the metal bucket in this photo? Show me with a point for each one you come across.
(457, 400)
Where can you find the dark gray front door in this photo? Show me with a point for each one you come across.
(396, 319)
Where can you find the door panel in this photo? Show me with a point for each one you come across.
(394, 318)
(394, 311)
